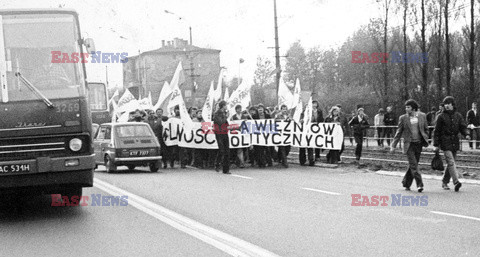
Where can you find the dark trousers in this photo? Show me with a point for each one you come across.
(317, 153)
(413, 156)
(358, 148)
(170, 154)
(333, 156)
(475, 138)
(283, 152)
(303, 158)
(381, 134)
(388, 133)
(223, 156)
(262, 155)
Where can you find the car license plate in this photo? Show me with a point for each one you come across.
(14, 168)
(139, 153)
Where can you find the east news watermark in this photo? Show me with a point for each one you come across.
(95, 57)
(392, 200)
(92, 200)
(393, 57)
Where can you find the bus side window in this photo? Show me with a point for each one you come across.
(101, 133)
(108, 133)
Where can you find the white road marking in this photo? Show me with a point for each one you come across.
(238, 176)
(225, 242)
(455, 215)
(321, 191)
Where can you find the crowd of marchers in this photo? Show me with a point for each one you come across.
(441, 128)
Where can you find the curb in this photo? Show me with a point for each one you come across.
(426, 176)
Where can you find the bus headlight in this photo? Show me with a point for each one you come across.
(75, 144)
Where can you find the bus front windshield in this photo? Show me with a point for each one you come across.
(36, 46)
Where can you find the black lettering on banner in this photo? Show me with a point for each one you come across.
(287, 127)
(287, 139)
(266, 136)
(308, 138)
(329, 140)
(258, 139)
(191, 138)
(328, 128)
(316, 140)
(209, 142)
(243, 141)
(171, 134)
(297, 139)
(276, 142)
(199, 136)
(260, 127)
(234, 140)
(313, 126)
(180, 132)
(275, 127)
(297, 127)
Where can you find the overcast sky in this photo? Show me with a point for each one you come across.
(239, 28)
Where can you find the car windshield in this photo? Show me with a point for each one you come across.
(133, 131)
(29, 45)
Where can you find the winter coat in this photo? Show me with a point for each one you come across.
(449, 125)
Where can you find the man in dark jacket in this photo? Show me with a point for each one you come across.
(220, 128)
(473, 121)
(389, 120)
(262, 153)
(317, 117)
(445, 136)
(359, 124)
(412, 126)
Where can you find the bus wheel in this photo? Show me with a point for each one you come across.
(131, 167)
(109, 165)
(154, 166)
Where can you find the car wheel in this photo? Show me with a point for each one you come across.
(154, 166)
(131, 167)
(109, 165)
(71, 192)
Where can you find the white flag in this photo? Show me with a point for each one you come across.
(146, 103)
(218, 91)
(178, 78)
(113, 96)
(208, 106)
(307, 116)
(241, 96)
(285, 97)
(164, 94)
(126, 97)
(297, 101)
(226, 96)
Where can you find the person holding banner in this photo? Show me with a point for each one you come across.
(308, 151)
(333, 156)
(262, 153)
(317, 117)
(240, 151)
(283, 151)
(158, 130)
(220, 128)
(359, 124)
(252, 114)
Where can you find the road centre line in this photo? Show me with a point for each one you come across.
(238, 176)
(320, 191)
(222, 241)
(455, 215)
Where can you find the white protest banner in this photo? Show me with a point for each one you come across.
(194, 137)
(258, 132)
(285, 97)
(164, 95)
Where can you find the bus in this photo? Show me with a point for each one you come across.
(45, 124)
(98, 97)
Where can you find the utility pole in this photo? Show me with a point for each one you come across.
(277, 49)
(191, 42)
(106, 75)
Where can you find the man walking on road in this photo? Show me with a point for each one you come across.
(414, 129)
(473, 121)
(220, 129)
(445, 136)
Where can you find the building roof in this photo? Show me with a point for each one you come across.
(171, 49)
